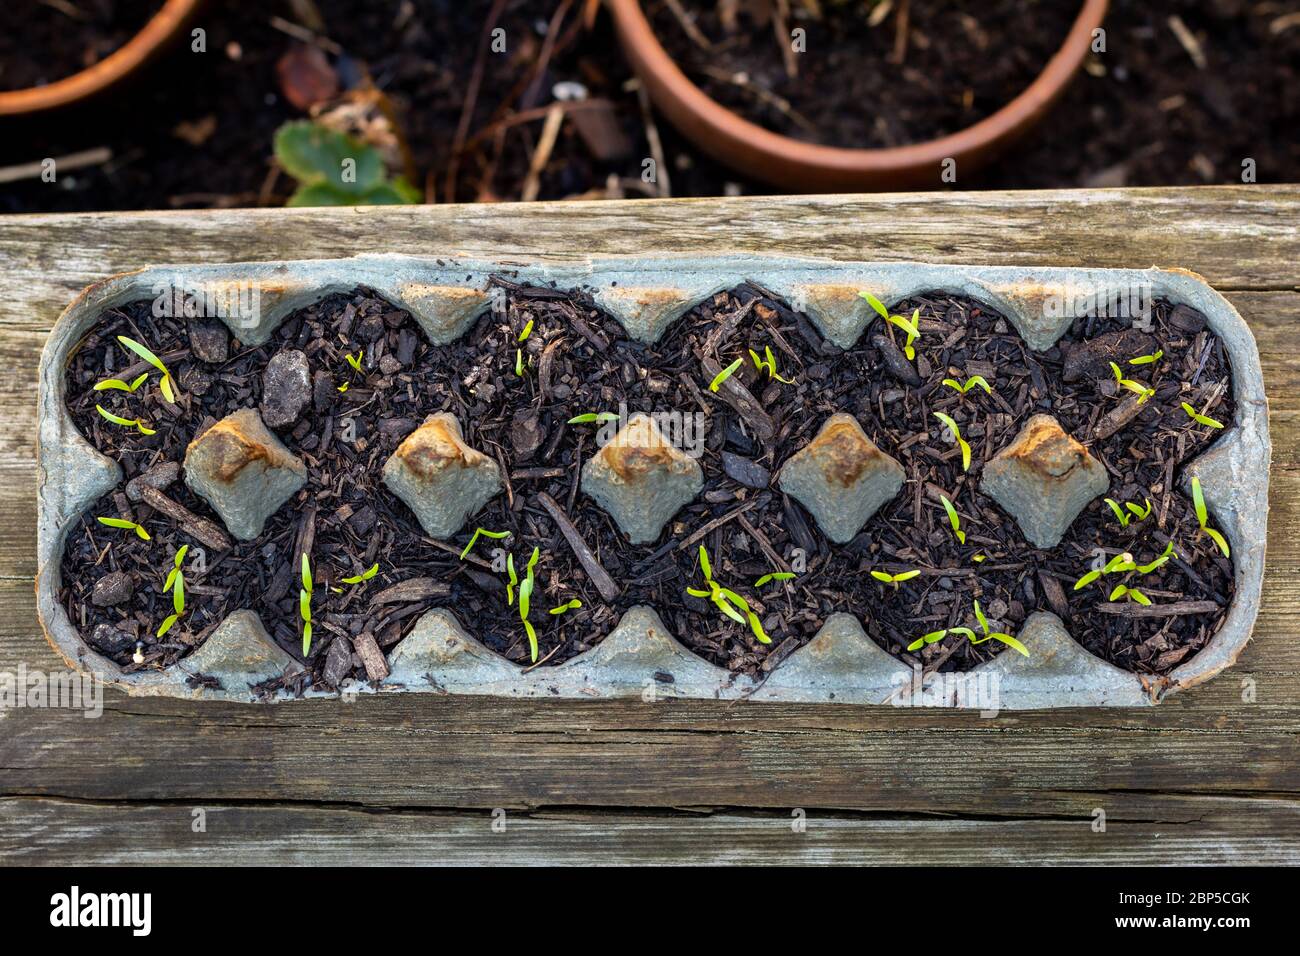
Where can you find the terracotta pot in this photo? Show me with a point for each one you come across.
(809, 167)
(161, 29)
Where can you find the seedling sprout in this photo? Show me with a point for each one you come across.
(165, 384)
(482, 532)
(991, 635)
(588, 418)
(1129, 511)
(528, 330)
(519, 362)
(117, 383)
(1137, 388)
(956, 434)
(1133, 594)
(768, 362)
(1119, 563)
(1202, 517)
(910, 327)
(175, 583)
(972, 382)
(304, 605)
(139, 530)
(728, 602)
(895, 579)
(774, 576)
(355, 360)
(1151, 359)
(1200, 419)
(525, 598)
(725, 374)
(572, 605)
(953, 519)
(135, 423)
(1164, 556)
(935, 637)
(365, 575)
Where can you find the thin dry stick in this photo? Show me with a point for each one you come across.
(471, 98)
(781, 26)
(899, 53)
(608, 589)
(662, 182)
(688, 25)
(88, 157)
(542, 154)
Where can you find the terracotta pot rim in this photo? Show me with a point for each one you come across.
(792, 162)
(160, 29)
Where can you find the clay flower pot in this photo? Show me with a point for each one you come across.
(811, 167)
(156, 34)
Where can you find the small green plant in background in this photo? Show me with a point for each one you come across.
(911, 327)
(304, 605)
(528, 330)
(768, 362)
(589, 418)
(1203, 517)
(895, 579)
(519, 363)
(1137, 388)
(175, 583)
(975, 381)
(956, 434)
(355, 360)
(725, 374)
(1197, 417)
(482, 533)
(117, 383)
(166, 384)
(334, 169)
(727, 601)
(136, 423)
(572, 605)
(139, 530)
(365, 575)
(774, 576)
(1164, 556)
(1133, 594)
(1151, 359)
(953, 519)
(991, 635)
(1129, 511)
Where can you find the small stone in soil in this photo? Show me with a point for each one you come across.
(324, 392)
(113, 588)
(749, 473)
(286, 388)
(111, 640)
(161, 476)
(338, 661)
(209, 340)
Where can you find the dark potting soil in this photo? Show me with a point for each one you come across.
(43, 42)
(576, 360)
(920, 71)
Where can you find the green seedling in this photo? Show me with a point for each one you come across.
(972, 382)
(525, 599)
(774, 576)
(1117, 564)
(727, 601)
(355, 360)
(519, 362)
(343, 387)
(135, 423)
(953, 519)
(1137, 388)
(1133, 594)
(365, 575)
(175, 583)
(934, 637)
(334, 169)
(1129, 511)
(725, 374)
(768, 362)
(1164, 556)
(956, 434)
(117, 383)
(485, 533)
(528, 330)
(895, 579)
(513, 582)
(140, 533)
(1196, 416)
(1151, 359)
(165, 384)
(304, 605)
(1202, 517)
(911, 327)
(991, 635)
(569, 606)
(588, 418)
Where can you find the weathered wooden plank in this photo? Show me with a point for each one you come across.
(1139, 830)
(1238, 237)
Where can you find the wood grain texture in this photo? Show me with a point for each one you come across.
(1206, 777)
